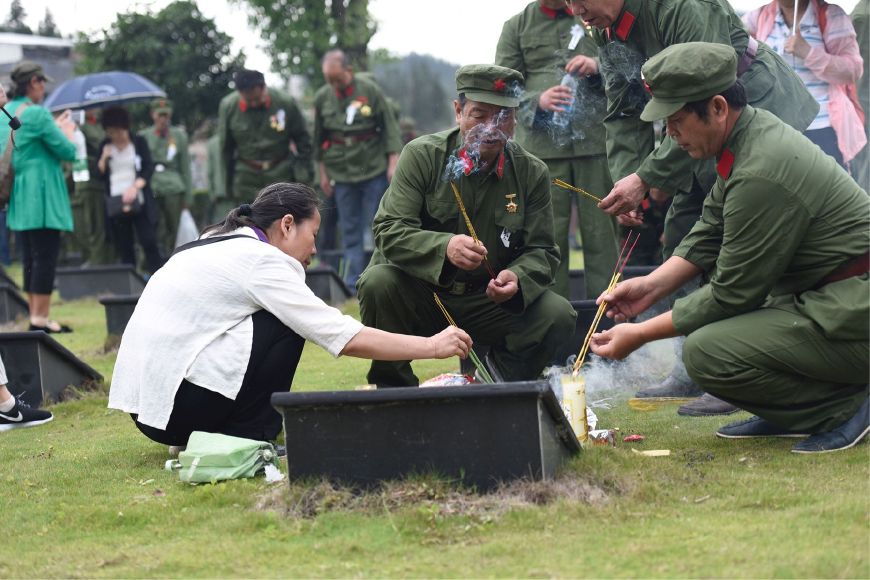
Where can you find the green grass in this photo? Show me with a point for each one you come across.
(86, 496)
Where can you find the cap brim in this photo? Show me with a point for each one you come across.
(493, 99)
(656, 110)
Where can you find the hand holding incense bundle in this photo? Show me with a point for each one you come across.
(570, 187)
(621, 262)
(481, 369)
(470, 227)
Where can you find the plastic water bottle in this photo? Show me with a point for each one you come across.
(80, 170)
(561, 120)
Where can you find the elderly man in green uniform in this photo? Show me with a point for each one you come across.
(357, 145)
(263, 140)
(88, 201)
(860, 166)
(628, 33)
(497, 289)
(171, 182)
(782, 327)
(559, 121)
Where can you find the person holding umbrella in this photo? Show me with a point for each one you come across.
(39, 207)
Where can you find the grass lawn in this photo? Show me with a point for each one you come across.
(86, 496)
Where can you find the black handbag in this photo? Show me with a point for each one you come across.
(116, 208)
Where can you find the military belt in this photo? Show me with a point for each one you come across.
(352, 139)
(748, 57)
(464, 287)
(263, 165)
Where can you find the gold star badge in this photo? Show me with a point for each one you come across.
(510, 206)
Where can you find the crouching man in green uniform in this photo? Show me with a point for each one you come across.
(781, 328)
(496, 290)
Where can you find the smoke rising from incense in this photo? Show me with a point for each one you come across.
(620, 66)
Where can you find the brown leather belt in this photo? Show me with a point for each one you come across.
(352, 139)
(748, 57)
(854, 267)
(263, 165)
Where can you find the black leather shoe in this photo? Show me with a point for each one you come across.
(845, 436)
(754, 427)
(707, 406)
(671, 388)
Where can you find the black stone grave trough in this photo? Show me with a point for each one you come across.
(114, 280)
(327, 285)
(5, 279)
(480, 435)
(41, 368)
(576, 284)
(12, 306)
(118, 309)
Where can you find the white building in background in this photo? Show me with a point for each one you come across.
(54, 54)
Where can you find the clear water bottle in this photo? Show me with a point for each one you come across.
(561, 120)
(80, 170)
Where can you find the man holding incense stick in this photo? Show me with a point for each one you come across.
(781, 328)
(628, 33)
(468, 216)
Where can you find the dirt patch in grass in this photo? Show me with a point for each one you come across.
(439, 497)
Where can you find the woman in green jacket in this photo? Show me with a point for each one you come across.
(39, 207)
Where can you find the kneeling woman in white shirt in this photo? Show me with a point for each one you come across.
(222, 324)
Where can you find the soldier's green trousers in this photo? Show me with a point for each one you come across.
(777, 364)
(521, 344)
(599, 230)
(684, 212)
(89, 219)
(169, 209)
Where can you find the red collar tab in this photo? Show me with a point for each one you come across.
(243, 104)
(467, 162)
(162, 134)
(646, 86)
(346, 93)
(554, 14)
(623, 27)
(499, 169)
(726, 162)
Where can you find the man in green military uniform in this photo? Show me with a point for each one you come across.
(861, 19)
(628, 33)
(263, 140)
(88, 202)
(357, 145)
(498, 289)
(782, 327)
(171, 182)
(559, 121)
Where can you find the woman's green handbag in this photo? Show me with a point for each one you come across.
(211, 457)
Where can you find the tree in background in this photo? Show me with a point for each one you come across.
(48, 27)
(299, 32)
(15, 21)
(178, 48)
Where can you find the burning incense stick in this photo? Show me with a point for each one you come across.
(469, 226)
(621, 262)
(568, 186)
(484, 374)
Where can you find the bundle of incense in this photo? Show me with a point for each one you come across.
(621, 262)
(469, 226)
(484, 374)
(570, 187)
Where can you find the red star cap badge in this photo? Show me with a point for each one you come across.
(499, 85)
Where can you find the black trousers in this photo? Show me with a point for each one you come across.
(146, 232)
(275, 355)
(826, 139)
(39, 249)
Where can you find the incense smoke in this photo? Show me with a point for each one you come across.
(619, 66)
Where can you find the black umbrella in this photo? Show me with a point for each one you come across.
(102, 89)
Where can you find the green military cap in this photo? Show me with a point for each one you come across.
(161, 106)
(26, 70)
(687, 72)
(488, 83)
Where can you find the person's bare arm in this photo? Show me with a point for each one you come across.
(372, 343)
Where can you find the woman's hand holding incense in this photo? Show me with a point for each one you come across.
(464, 253)
(628, 299)
(451, 341)
(626, 195)
(618, 342)
(503, 287)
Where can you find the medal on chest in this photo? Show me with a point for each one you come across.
(511, 206)
(171, 150)
(278, 121)
(361, 106)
